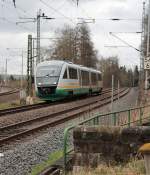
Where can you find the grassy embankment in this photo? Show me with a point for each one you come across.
(9, 105)
(16, 104)
(134, 167)
(52, 158)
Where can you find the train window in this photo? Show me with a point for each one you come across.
(48, 71)
(99, 77)
(93, 78)
(85, 78)
(73, 73)
(65, 75)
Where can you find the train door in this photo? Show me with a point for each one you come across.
(73, 80)
(80, 78)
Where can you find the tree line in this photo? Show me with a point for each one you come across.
(126, 77)
(75, 45)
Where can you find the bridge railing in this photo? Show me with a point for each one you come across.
(124, 118)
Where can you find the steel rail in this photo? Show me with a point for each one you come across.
(5, 131)
(22, 108)
(34, 106)
(51, 171)
(54, 114)
(9, 92)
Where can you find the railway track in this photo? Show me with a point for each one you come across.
(53, 170)
(34, 106)
(20, 129)
(9, 92)
(22, 108)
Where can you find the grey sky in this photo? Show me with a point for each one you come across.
(15, 36)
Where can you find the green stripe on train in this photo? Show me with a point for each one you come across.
(63, 93)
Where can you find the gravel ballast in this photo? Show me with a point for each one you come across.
(21, 158)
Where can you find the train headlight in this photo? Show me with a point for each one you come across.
(39, 83)
(54, 83)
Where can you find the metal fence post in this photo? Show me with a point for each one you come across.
(129, 117)
(65, 149)
(114, 119)
(141, 113)
(94, 121)
(97, 121)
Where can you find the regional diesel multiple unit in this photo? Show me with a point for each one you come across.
(56, 80)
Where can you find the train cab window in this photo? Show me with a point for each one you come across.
(99, 77)
(93, 78)
(73, 73)
(65, 75)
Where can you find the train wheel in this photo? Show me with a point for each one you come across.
(70, 94)
(90, 92)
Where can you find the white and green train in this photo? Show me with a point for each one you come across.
(56, 80)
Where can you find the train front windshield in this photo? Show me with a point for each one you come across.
(48, 75)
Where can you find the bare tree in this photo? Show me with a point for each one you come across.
(75, 45)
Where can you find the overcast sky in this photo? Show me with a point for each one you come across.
(67, 12)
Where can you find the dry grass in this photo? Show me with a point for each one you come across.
(134, 167)
(9, 105)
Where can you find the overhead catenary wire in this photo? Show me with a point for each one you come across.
(124, 42)
(66, 17)
(6, 19)
(9, 7)
(57, 11)
(133, 60)
(19, 8)
(71, 19)
(81, 9)
(14, 23)
(118, 19)
(59, 7)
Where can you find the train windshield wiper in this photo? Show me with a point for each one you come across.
(47, 75)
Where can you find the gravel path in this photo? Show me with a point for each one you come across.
(23, 157)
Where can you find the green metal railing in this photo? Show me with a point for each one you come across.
(129, 117)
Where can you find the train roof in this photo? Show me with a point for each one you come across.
(60, 62)
(51, 62)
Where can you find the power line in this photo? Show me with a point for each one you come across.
(9, 21)
(81, 9)
(124, 42)
(9, 7)
(12, 22)
(57, 11)
(114, 46)
(118, 19)
(38, 21)
(122, 46)
(128, 59)
(18, 7)
(138, 32)
(70, 19)
(61, 5)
